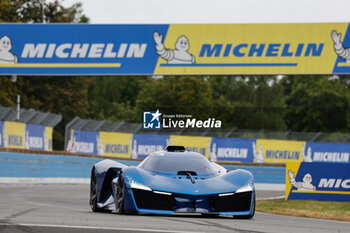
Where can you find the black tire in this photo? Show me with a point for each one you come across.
(205, 215)
(249, 216)
(93, 193)
(119, 195)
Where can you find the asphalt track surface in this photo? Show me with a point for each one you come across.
(64, 208)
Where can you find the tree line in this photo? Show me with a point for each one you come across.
(300, 103)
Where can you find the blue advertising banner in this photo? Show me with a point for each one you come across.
(84, 142)
(318, 181)
(1, 133)
(35, 137)
(63, 49)
(174, 49)
(232, 149)
(326, 152)
(144, 144)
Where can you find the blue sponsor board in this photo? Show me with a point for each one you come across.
(87, 49)
(85, 142)
(327, 152)
(1, 133)
(35, 138)
(144, 144)
(63, 49)
(318, 181)
(231, 149)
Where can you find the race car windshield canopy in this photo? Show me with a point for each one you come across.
(175, 165)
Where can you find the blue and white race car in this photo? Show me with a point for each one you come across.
(172, 181)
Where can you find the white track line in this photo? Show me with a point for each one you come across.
(270, 187)
(306, 218)
(96, 228)
(271, 198)
(43, 180)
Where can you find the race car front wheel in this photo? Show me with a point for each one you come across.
(120, 194)
(93, 193)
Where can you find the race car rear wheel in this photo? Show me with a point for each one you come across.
(120, 194)
(209, 215)
(93, 193)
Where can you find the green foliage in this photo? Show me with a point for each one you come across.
(67, 96)
(114, 98)
(7, 92)
(176, 94)
(329, 210)
(316, 103)
(300, 103)
(258, 100)
(63, 95)
(9, 10)
(35, 11)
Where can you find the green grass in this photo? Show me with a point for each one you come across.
(306, 208)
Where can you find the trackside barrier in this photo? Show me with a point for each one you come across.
(192, 143)
(318, 181)
(327, 152)
(279, 151)
(232, 149)
(138, 146)
(25, 136)
(36, 167)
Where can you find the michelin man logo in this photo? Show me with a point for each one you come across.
(4, 137)
(100, 145)
(6, 57)
(307, 157)
(26, 140)
(212, 151)
(339, 48)
(179, 55)
(133, 147)
(305, 185)
(71, 143)
(258, 155)
(47, 145)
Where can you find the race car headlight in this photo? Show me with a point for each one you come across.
(225, 194)
(163, 193)
(134, 184)
(246, 188)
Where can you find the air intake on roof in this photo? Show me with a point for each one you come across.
(175, 148)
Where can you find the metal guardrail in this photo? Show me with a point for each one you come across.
(126, 127)
(30, 116)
